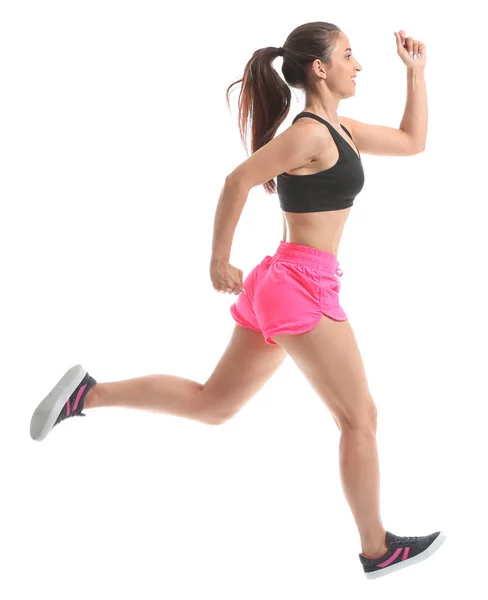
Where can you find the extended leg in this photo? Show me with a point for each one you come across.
(329, 357)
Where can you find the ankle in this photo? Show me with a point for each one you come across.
(375, 552)
(91, 398)
(374, 546)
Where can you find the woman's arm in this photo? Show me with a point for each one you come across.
(229, 208)
(414, 122)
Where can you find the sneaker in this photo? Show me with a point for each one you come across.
(402, 552)
(66, 399)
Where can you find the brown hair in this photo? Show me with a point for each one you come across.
(264, 93)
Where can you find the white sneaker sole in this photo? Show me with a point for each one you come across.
(47, 412)
(436, 544)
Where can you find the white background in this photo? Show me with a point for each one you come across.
(115, 143)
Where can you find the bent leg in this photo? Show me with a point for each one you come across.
(246, 365)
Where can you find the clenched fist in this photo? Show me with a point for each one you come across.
(226, 278)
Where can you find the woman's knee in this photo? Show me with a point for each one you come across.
(364, 418)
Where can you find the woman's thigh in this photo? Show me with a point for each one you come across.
(329, 357)
(246, 365)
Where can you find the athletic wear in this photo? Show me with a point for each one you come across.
(66, 399)
(402, 552)
(332, 189)
(290, 291)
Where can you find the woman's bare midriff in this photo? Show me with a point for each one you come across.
(322, 230)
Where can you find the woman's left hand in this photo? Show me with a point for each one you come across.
(411, 49)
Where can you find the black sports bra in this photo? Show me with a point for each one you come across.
(332, 189)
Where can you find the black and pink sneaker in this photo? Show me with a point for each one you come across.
(402, 552)
(66, 399)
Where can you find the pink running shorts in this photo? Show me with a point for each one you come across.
(290, 291)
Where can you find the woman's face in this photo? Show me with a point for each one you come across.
(343, 66)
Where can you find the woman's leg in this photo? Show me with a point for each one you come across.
(329, 357)
(246, 365)
(158, 393)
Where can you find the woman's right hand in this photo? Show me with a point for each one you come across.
(226, 278)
